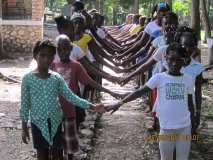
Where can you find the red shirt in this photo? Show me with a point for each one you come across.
(72, 72)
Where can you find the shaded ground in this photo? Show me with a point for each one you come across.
(121, 136)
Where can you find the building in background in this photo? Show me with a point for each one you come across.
(21, 25)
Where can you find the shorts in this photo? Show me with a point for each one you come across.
(39, 142)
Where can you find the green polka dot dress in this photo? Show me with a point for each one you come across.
(39, 101)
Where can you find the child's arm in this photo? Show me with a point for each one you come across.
(198, 97)
(144, 67)
(70, 96)
(153, 82)
(75, 100)
(85, 79)
(192, 112)
(91, 68)
(25, 100)
(25, 108)
(132, 96)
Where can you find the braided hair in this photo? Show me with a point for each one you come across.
(43, 44)
(173, 18)
(181, 31)
(62, 22)
(176, 48)
(78, 5)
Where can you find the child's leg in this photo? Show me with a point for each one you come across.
(39, 143)
(166, 146)
(56, 154)
(183, 144)
(71, 143)
(43, 154)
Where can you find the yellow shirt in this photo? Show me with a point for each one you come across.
(135, 30)
(83, 42)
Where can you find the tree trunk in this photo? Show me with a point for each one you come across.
(208, 6)
(101, 6)
(136, 6)
(51, 5)
(1, 45)
(195, 17)
(170, 3)
(114, 15)
(97, 5)
(205, 18)
(210, 50)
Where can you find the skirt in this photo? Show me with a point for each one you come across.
(70, 136)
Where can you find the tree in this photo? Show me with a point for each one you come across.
(195, 16)
(136, 6)
(101, 6)
(205, 18)
(1, 45)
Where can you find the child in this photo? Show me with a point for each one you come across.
(187, 38)
(73, 72)
(174, 105)
(39, 100)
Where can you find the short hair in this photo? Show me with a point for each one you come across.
(42, 45)
(183, 30)
(79, 16)
(173, 16)
(62, 22)
(177, 48)
(78, 4)
(62, 38)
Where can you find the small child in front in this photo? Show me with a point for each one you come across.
(174, 105)
(40, 90)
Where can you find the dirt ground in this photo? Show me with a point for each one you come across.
(121, 136)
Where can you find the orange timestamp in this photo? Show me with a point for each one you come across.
(172, 137)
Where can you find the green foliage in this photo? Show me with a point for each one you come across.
(181, 7)
(54, 5)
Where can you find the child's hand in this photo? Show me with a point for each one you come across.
(124, 80)
(25, 135)
(117, 95)
(99, 108)
(113, 107)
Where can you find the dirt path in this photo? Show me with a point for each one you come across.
(121, 136)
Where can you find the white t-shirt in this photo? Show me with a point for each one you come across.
(76, 53)
(100, 32)
(90, 57)
(194, 69)
(152, 27)
(159, 56)
(158, 42)
(172, 99)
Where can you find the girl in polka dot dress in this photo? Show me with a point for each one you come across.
(39, 101)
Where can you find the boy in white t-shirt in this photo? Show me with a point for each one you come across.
(174, 105)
